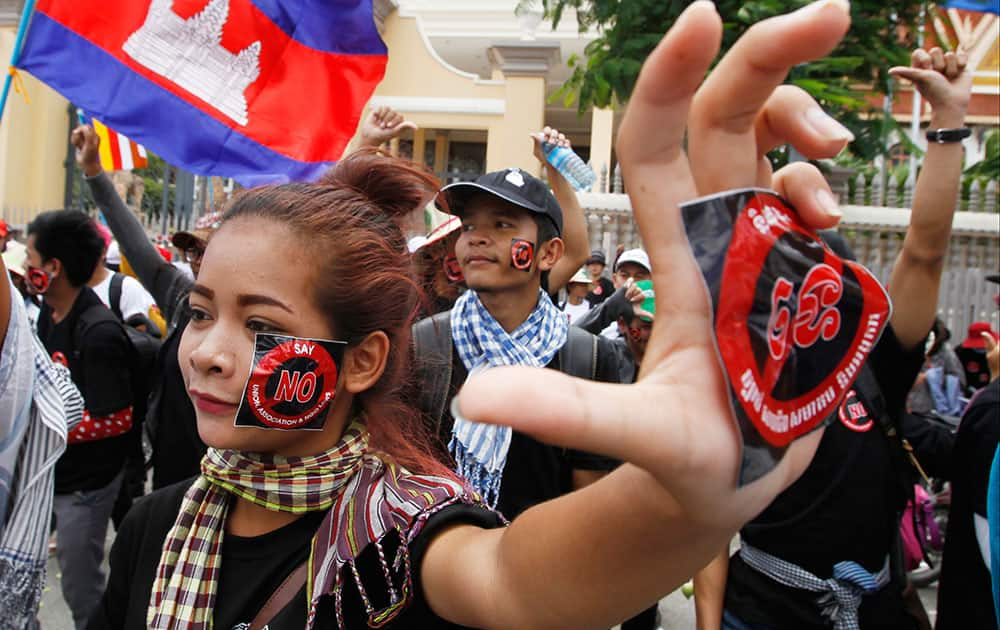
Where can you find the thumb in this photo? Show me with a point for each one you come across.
(549, 406)
(406, 124)
(917, 76)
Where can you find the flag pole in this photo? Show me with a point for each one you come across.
(22, 28)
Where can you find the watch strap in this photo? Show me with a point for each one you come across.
(942, 136)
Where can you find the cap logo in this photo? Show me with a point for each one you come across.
(514, 177)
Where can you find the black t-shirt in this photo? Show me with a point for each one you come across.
(177, 447)
(844, 507)
(601, 291)
(99, 365)
(535, 472)
(253, 568)
(964, 597)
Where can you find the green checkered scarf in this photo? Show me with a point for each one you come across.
(184, 590)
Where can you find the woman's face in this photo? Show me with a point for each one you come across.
(254, 277)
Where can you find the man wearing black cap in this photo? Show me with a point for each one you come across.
(602, 287)
(510, 241)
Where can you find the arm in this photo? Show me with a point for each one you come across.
(574, 222)
(603, 553)
(156, 274)
(710, 591)
(608, 311)
(945, 81)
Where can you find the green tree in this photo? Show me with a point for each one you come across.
(881, 36)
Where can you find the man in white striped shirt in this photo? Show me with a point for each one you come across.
(38, 403)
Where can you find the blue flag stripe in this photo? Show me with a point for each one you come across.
(308, 22)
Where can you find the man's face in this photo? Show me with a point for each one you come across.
(489, 225)
(595, 269)
(630, 271)
(636, 334)
(578, 289)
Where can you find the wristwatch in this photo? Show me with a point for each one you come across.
(948, 135)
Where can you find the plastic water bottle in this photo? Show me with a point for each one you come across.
(575, 170)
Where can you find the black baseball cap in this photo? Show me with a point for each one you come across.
(597, 256)
(513, 186)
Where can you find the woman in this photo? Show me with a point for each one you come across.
(388, 538)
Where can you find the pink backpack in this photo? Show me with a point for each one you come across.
(927, 533)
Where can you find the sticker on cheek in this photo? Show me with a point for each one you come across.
(522, 254)
(39, 280)
(292, 383)
(635, 334)
(452, 270)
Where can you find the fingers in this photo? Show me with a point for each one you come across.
(649, 146)
(791, 116)
(721, 144)
(804, 186)
(921, 59)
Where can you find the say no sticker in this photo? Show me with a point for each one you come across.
(522, 254)
(793, 322)
(291, 384)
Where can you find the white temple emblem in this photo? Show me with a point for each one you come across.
(189, 53)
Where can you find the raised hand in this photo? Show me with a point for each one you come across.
(383, 124)
(676, 423)
(944, 79)
(87, 144)
(551, 136)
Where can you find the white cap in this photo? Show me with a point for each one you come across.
(15, 257)
(113, 256)
(581, 276)
(637, 256)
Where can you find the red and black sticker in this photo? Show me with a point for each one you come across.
(292, 382)
(522, 254)
(39, 280)
(793, 322)
(60, 358)
(452, 270)
(854, 414)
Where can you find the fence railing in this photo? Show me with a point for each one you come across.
(875, 234)
(975, 195)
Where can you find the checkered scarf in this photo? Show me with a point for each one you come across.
(186, 579)
(480, 450)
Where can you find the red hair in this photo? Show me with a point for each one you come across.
(349, 224)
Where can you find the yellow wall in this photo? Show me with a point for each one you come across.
(415, 71)
(32, 147)
(508, 144)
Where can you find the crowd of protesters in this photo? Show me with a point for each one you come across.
(452, 482)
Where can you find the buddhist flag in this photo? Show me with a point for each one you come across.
(257, 90)
(117, 151)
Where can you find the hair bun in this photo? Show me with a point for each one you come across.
(395, 186)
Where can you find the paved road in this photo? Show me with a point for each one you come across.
(675, 610)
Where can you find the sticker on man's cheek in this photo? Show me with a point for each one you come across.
(522, 254)
(452, 270)
(292, 383)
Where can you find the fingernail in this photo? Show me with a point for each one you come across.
(843, 5)
(827, 126)
(828, 203)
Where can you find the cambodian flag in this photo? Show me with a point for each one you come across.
(258, 90)
(986, 6)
